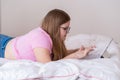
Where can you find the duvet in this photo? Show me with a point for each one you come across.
(107, 68)
(69, 69)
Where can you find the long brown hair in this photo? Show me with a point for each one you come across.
(51, 24)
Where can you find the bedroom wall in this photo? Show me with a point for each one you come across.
(88, 16)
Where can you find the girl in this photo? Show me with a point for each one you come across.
(45, 43)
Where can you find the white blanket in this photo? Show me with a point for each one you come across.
(69, 69)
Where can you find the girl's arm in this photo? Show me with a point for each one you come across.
(42, 55)
(72, 50)
(80, 53)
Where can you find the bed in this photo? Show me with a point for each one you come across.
(107, 68)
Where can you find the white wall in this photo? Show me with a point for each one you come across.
(88, 16)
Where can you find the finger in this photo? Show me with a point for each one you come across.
(93, 46)
(82, 47)
(87, 50)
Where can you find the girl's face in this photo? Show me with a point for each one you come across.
(64, 29)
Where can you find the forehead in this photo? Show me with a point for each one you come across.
(66, 24)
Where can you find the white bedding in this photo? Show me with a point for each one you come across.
(69, 69)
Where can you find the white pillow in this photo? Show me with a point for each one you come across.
(76, 41)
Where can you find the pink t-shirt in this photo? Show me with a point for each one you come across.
(23, 46)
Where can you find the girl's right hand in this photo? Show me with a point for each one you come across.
(83, 51)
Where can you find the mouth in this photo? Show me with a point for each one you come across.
(65, 36)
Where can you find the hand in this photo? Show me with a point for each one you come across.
(83, 51)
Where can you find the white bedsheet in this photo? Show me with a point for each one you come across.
(69, 69)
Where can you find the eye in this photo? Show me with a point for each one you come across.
(64, 28)
(67, 29)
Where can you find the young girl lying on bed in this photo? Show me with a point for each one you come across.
(44, 43)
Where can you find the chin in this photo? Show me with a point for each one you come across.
(64, 39)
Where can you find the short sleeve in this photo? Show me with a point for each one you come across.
(41, 39)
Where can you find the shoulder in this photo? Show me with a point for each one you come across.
(40, 38)
(39, 33)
